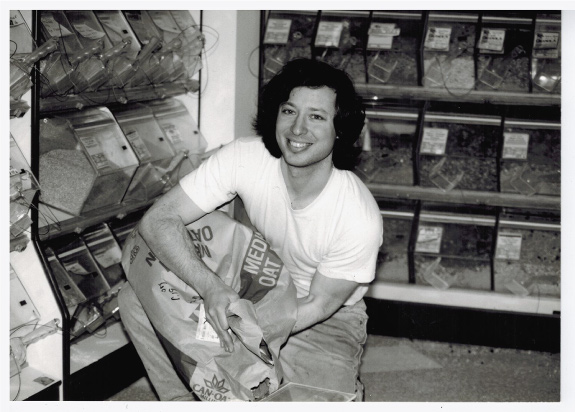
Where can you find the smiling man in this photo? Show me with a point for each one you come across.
(295, 182)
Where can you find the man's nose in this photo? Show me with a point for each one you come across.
(299, 126)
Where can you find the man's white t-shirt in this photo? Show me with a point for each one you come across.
(338, 234)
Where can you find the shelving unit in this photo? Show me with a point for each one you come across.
(447, 38)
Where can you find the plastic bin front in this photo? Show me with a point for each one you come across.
(527, 259)
(392, 259)
(459, 151)
(453, 250)
(182, 133)
(154, 152)
(106, 252)
(340, 41)
(392, 48)
(117, 29)
(504, 46)
(546, 61)
(531, 157)
(448, 51)
(388, 143)
(288, 35)
(86, 163)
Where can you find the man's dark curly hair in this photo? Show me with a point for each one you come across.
(350, 113)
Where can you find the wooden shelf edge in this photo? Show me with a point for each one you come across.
(118, 96)
(482, 300)
(373, 93)
(469, 197)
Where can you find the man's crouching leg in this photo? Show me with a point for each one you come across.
(161, 373)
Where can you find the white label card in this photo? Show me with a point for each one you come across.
(329, 33)
(434, 140)
(546, 40)
(508, 246)
(277, 31)
(95, 151)
(437, 38)
(492, 40)
(88, 32)
(138, 145)
(429, 239)
(54, 28)
(515, 146)
(380, 36)
(205, 331)
(173, 133)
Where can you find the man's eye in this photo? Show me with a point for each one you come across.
(317, 117)
(287, 111)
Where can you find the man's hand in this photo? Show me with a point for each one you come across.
(216, 302)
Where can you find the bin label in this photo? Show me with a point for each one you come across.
(277, 31)
(138, 145)
(164, 21)
(88, 32)
(53, 28)
(491, 40)
(95, 151)
(205, 331)
(380, 36)
(434, 140)
(508, 246)
(515, 146)
(429, 239)
(437, 38)
(172, 133)
(328, 34)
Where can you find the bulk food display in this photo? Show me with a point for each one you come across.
(340, 41)
(392, 259)
(392, 47)
(86, 163)
(388, 143)
(531, 157)
(182, 133)
(448, 51)
(288, 35)
(154, 151)
(546, 59)
(459, 151)
(527, 259)
(504, 48)
(453, 249)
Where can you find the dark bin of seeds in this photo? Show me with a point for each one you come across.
(86, 162)
(152, 148)
(288, 35)
(340, 41)
(388, 141)
(546, 59)
(504, 49)
(531, 157)
(392, 259)
(183, 134)
(452, 248)
(459, 151)
(393, 46)
(106, 252)
(448, 51)
(527, 259)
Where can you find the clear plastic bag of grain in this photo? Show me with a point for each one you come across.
(86, 163)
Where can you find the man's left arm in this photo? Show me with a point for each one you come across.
(325, 297)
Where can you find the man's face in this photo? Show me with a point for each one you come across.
(304, 128)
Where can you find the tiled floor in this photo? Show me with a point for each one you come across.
(401, 370)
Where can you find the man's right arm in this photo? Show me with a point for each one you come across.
(163, 227)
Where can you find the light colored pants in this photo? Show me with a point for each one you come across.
(327, 355)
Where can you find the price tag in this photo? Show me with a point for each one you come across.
(328, 34)
(138, 145)
(508, 246)
(75, 268)
(434, 141)
(380, 36)
(88, 32)
(437, 38)
(172, 133)
(95, 151)
(491, 40)
(205, 331)
(16, 18)
(546, 40)
(515, 146)
(277, 31)
(54, 28)
(429, 239)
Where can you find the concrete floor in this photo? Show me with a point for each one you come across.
(403, 370)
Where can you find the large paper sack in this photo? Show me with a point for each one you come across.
(262, 319)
